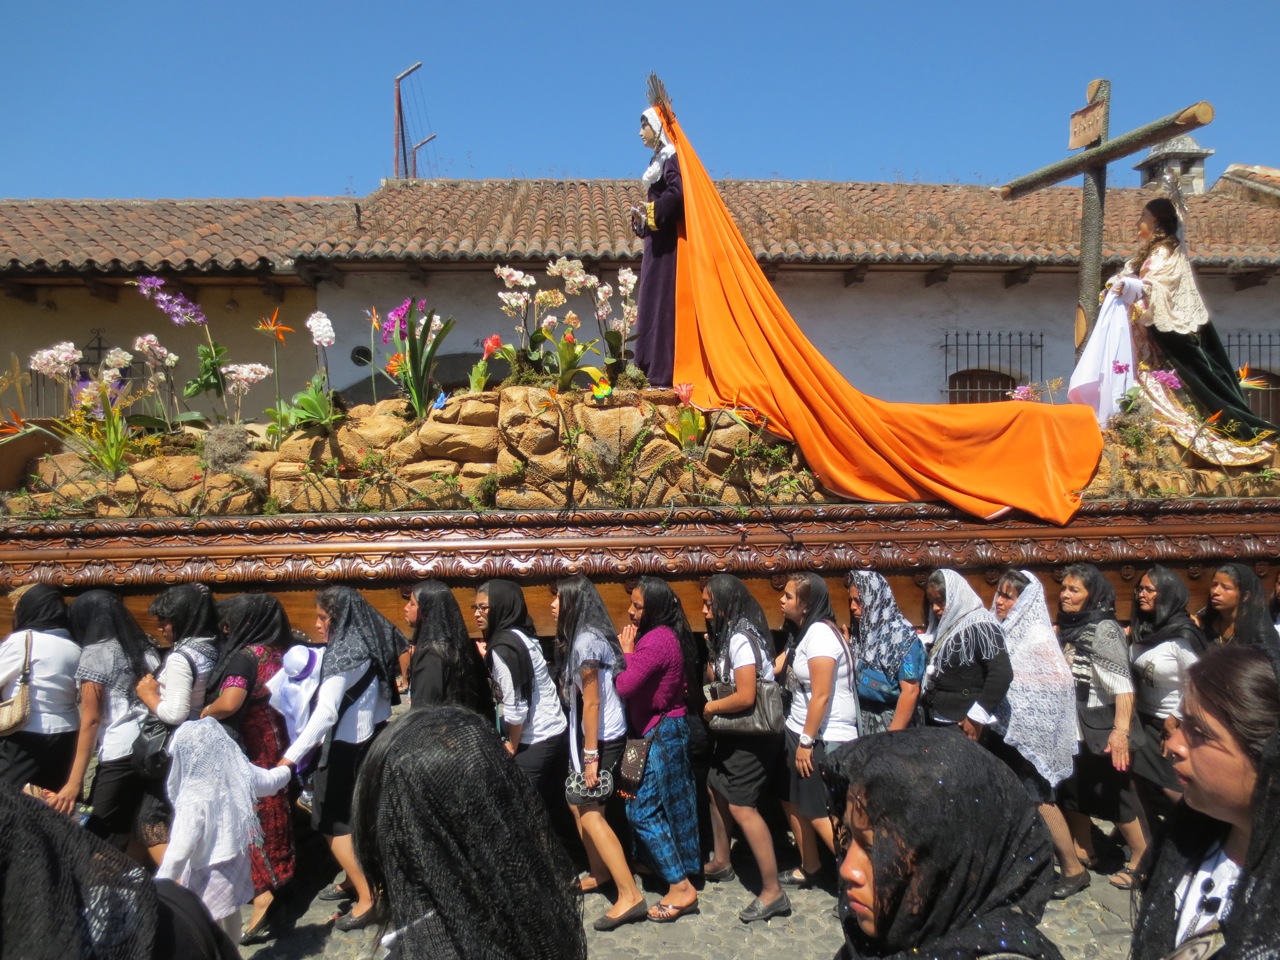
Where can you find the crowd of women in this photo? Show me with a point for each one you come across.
(943, 770)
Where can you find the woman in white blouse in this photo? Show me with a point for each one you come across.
(357, 683)
(115, 655)
(189, 632)
(819, 671)
(43, 750)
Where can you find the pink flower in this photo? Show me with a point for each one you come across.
(684, 391)
(1023, 392)
(491, 346)
(1117, 367)
(1167, 378)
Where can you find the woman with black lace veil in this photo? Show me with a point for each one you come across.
(1163, 643)
(353, 705)
(941, 851)
(1101, 783)
(190, 644)
(532, 719)
(1237, 610)
(445, 666)
(454, 839)
(115, 655)
(257, 631)
(741, 765)
(590, 657)
(1214, 881)
(66, 893)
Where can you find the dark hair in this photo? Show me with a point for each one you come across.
(569, 591)
(1016, 578)
(329, 598)
(938, 581)
(1238, 686)
(189, 608)
(1274, 606)
(663, 608)
(453, 835)
(1165, 233)
(1253, 623)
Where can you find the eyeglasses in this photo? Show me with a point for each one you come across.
(480, 607)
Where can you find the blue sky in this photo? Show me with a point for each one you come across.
(271, 98)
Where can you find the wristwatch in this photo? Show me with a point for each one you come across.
(806, 741)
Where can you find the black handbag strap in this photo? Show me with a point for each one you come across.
(727, 674)
(353, 693)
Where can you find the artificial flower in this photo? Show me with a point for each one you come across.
(571, 320)
(491, 346)
(601, 388)
(272, 326)
(395, 364)
(242, 376)
(1167, 378)
(57, 361)
(1118, 368)
(321, 328)
(1251, 383)
(684, 392)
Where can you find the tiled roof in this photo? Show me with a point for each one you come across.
(1250, 183)
(487, 221)
(783, 221)
(133, 236)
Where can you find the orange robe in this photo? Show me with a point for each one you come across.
(738, 346)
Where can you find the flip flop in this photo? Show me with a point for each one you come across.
(1122, 879)
(670, 913)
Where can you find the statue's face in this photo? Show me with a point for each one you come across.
(1146, 225)
(648, 135)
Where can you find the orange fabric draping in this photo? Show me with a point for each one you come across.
(738, 346)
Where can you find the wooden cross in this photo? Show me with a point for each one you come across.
(1089, 129)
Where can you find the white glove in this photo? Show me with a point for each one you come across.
(1128, 289)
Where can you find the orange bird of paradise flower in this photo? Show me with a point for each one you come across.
(1251, 383)
(272, 326)
(395, 364)
(16, 425)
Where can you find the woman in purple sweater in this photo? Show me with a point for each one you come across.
(659, 647)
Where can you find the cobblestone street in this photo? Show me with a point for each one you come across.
(1093, 925)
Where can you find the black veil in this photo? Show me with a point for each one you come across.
(962, 860)
(441, 634)
(456, 838)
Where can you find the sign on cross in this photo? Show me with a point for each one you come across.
(1091, 123)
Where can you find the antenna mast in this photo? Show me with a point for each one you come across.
(406, 160)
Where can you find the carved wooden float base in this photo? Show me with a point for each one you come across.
(294, 555)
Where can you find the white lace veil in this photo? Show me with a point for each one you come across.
(1038, 715)
(210, 786)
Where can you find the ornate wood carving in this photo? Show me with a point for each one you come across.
(619, 545)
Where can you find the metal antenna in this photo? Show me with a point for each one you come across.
(406, 162)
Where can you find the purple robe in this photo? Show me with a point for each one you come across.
(655, 331)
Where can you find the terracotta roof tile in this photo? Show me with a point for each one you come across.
(487, 221)
(133, 236)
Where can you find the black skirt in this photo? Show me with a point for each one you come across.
(741, 767)
(335, 786)
(44, 759)
(1149, 761)
(808, 794)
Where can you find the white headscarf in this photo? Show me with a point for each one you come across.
(210, 787)
(294, 686)
(664, 152)
(964, 609)
(1038, 715)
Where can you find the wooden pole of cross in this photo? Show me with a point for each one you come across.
(1089, 128)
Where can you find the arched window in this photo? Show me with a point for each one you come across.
(978, 386)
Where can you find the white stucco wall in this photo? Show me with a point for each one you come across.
(884, 334)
